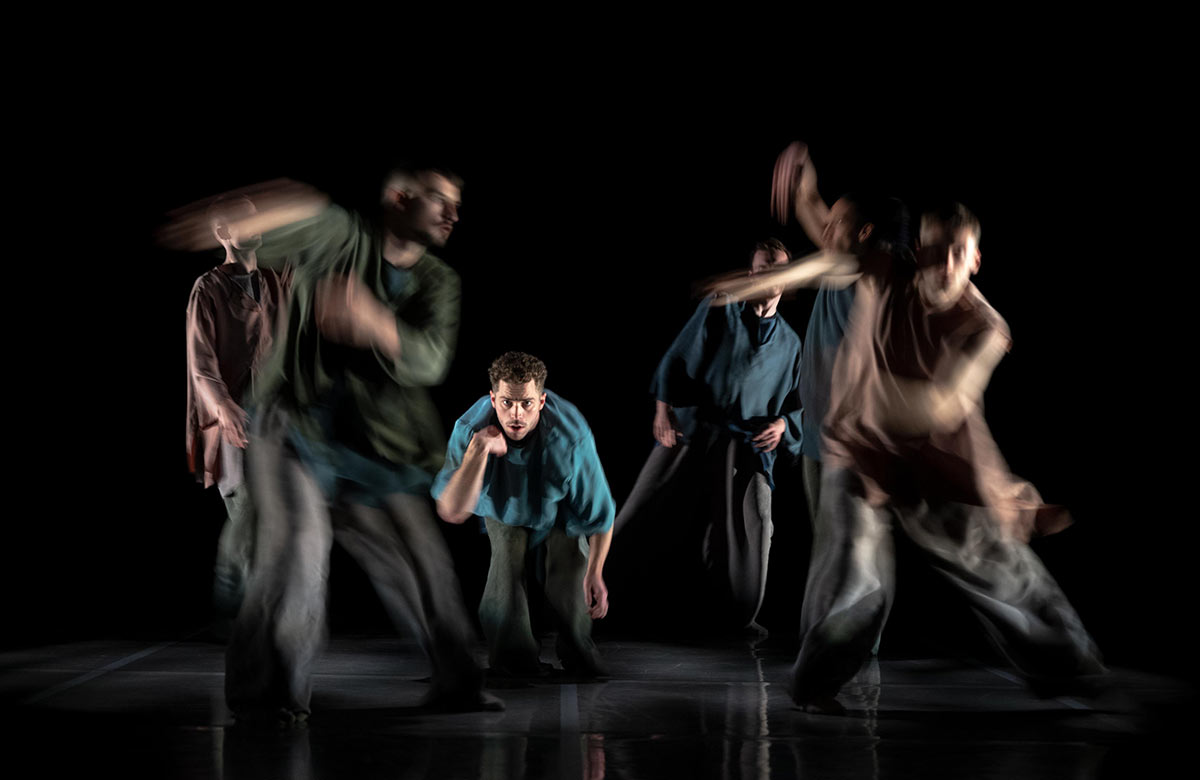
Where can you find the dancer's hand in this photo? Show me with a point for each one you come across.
(769, 437)
(595, 595)
(491, 441)
(789, 170)
(232, 419)
(665, 425)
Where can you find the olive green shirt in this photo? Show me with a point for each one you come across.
(342, 397)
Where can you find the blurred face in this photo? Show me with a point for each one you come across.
(226, 229)
(518, 408)
(945, 263)
(843, 233)
(431, 209)
(763, 260)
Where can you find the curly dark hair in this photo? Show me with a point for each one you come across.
(517, 368)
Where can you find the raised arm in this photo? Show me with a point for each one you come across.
(458, 499)
(794, 192)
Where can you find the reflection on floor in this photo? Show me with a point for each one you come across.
(670, 710)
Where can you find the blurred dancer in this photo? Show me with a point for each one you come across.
(345, 439)
(857, 224)
(231, 319)
(905, 439)
(525, 460)
(725, 402)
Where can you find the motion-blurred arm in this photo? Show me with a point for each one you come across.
(809, 271)
(794, 192)
(457, 501)
(279, 203)
(942, 404)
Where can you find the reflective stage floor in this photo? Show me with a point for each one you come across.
(670, 710)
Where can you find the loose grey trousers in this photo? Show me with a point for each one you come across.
(235, 552)
(504, 609)
(811, 474)
(852, 577)
(737, 542)
(280, 628)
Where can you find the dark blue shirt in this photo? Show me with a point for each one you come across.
(733, 370)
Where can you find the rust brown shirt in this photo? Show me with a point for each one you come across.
(894, 334)
(229, 335)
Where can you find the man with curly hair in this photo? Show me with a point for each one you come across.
(525, 460)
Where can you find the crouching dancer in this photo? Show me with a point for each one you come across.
(525, 460)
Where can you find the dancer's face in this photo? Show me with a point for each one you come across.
(428, 213)
(518, 407)
(945, 263)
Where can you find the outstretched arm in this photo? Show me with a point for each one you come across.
(278, 203)
(458, 500)
(808, 271)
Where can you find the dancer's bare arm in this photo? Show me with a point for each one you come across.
(794, 192)
(457, 502)
(279, 203)
(595, 592)
(808, 271)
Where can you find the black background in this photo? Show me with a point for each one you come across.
(590, 207)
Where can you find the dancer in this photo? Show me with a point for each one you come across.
(345, 439)
(524, 459)
(725, 403)
(231, 320)
(905, 438)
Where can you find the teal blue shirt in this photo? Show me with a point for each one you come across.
(829, 320)
(732, 371)
(554, 478)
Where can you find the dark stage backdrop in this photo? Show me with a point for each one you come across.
(583, 227)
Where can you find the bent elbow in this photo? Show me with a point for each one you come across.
(451, 515)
